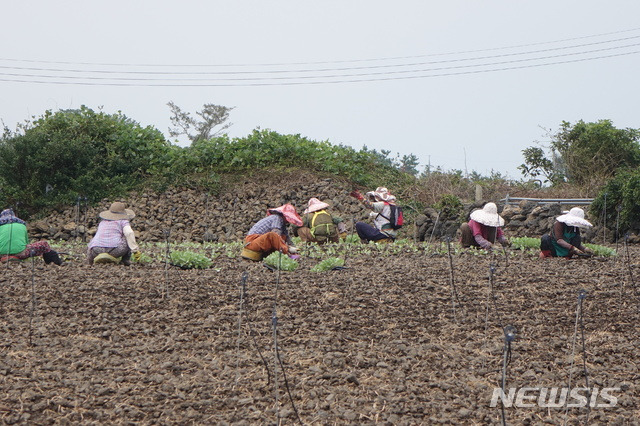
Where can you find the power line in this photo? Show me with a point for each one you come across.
(385, 66)
(322, 62)
(293, 83)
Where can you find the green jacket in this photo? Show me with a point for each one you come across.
(13, 238)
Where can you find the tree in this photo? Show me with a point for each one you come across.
(409, 164)
(536, 164)
(211, 116)
(586, 154)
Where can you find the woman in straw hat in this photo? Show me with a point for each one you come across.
(270, 234)
(114, 238)
(318, 225)
(14, 241)
(483, 228)
(564, 239)
(379, 202)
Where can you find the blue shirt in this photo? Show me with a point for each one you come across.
(267, 224)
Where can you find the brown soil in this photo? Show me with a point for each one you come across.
(375, 343)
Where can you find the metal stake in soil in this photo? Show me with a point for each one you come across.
(582, 294)
(618, 225)
(454, 293)
(167, 252)
(33, 295)
(509, 336)
(243, 287)
(274, 325)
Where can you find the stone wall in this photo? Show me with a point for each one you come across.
(527, 219)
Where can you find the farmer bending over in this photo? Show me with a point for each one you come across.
(270, 234)
(483, 228)
(14, 241)
(379, 201)
(564, 239)
(319, 226)
(114, 238)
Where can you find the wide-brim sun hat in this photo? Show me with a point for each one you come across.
(288, 212)
(315, 205)
(574, 217)
(382, 194)
(117, 211)
(488, 215)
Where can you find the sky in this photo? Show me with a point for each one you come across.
(463, 85)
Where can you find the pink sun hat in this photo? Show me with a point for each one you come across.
(288, 212)
(316, 205)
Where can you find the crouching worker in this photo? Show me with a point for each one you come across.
(14, 241)
(564, 239)
(114, 241)
(483, 229)
(319, 226)
(270, 234)
(380, 202)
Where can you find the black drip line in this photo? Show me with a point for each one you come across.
(276, 352)
(582, 294)
(244, 303)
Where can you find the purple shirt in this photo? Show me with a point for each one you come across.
(110, 233)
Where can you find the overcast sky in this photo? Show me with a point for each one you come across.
(461, 84)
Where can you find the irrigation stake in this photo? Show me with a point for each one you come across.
(33, 295)
(77, 209)
(165, 290)
(618, 225)
(243, 287)
(434, 227)
(604, 220)
(274, 325)
(509, 336)
(628, 262)
(84, 222)
(582, 294)
(277, 361)
(454, 293)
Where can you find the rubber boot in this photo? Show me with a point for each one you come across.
(52, 256)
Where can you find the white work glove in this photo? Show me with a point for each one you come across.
(293, 250)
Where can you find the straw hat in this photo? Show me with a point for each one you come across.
(288, 212)
(488, 216)
(574, 217)
(117, 211)
(316, 205)
(382, 194)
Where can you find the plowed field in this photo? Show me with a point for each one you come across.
(378, 342)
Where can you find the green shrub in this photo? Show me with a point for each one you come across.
(189, 260)
(620, 195)
(449, 206)
(286, 263)
(328, 264)
(77, 153)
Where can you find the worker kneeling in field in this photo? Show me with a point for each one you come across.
(484, 228)
(114, 241)
(270, 234)
(14, 241)
(386, 216)
(564, 239)
(319, 226)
